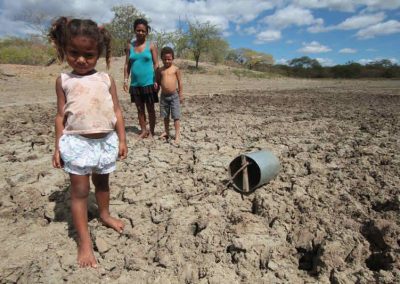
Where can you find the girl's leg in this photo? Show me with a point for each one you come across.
(152, 117)
(102, 191)
(142, 118)
(79, 196)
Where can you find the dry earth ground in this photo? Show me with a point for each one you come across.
(331, 215)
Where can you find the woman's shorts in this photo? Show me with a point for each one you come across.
(141, 95)
(169, 106)
(83, 156)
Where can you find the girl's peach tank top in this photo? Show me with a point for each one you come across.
(89, 107)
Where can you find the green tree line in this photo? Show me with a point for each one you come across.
(305, 67)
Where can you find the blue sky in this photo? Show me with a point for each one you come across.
(331, 31)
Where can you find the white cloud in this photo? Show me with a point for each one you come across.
(221, 22)
(365, 61)
(325, 61)
(351, 23)
(19, 28)
(226, 34)
(389, 27)
(341, 5)
(348, 5)
(381, 4)
(13, 13)
(268, 35)
(218, 12)
(52, 8)
(282, 61)
(291, 15)
(348, 50)
(319, 29)
(240, 11)
(314, 47)
(361, 21)
(250, 30)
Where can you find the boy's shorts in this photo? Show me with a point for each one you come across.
(83, 156)
(170, 106)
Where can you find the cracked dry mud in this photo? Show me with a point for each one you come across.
(331, 215)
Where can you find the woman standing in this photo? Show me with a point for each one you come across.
(141, 63)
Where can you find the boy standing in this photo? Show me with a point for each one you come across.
(169, 78)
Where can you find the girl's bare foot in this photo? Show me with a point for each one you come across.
(164, 136)
(177, 139)
(175, 143)
(85, 255)
(143, 134)
(113, 223)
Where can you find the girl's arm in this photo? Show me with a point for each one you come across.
(126, 68)
(120, 125)
(59, 123)
(180, 84)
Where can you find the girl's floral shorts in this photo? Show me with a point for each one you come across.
(83, 156)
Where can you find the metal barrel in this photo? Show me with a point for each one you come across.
(263, 167)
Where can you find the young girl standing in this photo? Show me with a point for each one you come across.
(141, 63)
(89, 127)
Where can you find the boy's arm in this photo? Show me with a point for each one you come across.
(58, 123)
(120, 125)
(180, 84)
(126, 68)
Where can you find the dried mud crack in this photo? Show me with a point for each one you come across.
(331, 215)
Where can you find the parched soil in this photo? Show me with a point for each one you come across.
(331, 215)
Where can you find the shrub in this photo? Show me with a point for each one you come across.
(25, 51)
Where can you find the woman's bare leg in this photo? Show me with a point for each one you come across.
(152, 117)
(142, 119)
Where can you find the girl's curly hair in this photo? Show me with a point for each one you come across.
(63, 29)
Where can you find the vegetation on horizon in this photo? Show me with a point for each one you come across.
(193, 40)
(305, 67)
(25, 51)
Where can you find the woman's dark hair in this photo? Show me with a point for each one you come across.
(167, 50)
(143, 22)
(63, 29)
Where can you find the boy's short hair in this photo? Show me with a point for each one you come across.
(167, 50)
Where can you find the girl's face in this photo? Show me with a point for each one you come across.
(82, 54)
(141, 31)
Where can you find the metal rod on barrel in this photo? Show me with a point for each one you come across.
(245, 179)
